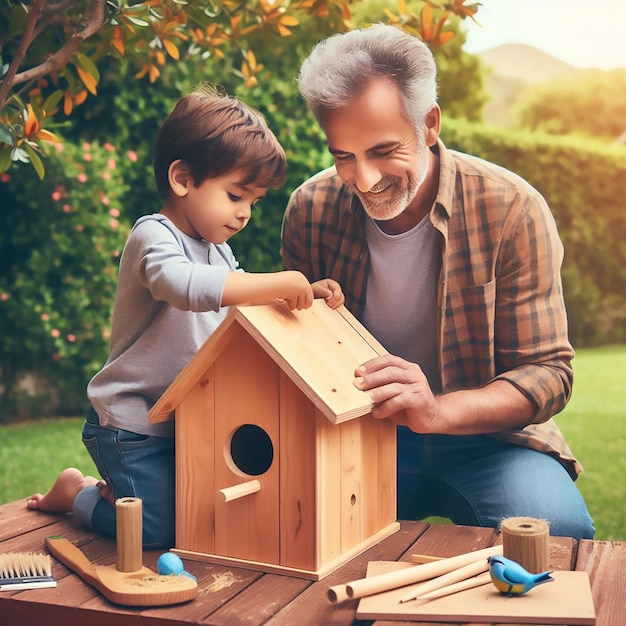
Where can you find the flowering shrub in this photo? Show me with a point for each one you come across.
(60, 241)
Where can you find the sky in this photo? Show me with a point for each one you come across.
(584, 33)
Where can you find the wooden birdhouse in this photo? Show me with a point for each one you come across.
(279, 464)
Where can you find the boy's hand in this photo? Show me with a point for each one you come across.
(330, 290)
(294, 289)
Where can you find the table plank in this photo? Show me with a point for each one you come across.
(605, 562)
(233, 596)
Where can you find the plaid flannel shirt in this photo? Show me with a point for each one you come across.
(502, 314)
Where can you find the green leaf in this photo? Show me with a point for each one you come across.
(87, 64)
(6, 136)
(136, 21)
(5, 160)
(35, 161)
(52, 101)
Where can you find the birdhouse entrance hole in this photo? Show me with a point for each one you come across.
(251, 450)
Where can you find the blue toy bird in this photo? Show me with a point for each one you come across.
(511, 579)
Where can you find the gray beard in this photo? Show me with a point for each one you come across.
(402, 195)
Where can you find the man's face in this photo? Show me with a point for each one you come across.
(378, 152)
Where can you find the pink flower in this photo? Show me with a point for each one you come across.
(109, 146)
(4, 177)
(106, 333)
(132, 155)
(71, 338)
(113, 223)
(86, 146)
(56, 196)
(106, 201)
(55, 333)
(4, 296)
(111, 164)
(114, 212)
(106, 175)
(80, 228)
(87, 157)
(67, 208)
(82, 177)
(45, 317)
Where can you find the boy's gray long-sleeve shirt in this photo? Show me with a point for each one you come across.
(168, 301)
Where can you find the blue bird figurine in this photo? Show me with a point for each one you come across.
(511, 579)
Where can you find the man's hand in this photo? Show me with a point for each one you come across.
(400, 392)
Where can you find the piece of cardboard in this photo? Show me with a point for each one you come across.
(566, 600)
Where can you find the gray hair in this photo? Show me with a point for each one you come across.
(341, 66)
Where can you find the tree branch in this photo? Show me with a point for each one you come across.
(91, 23)
(27, 37)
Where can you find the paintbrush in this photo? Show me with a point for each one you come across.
(25, 570)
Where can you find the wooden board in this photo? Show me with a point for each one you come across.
(141, 588)
(567, 600)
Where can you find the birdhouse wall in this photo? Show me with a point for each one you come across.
(246, 393)
(195, 476)
(356, 469)
(337, 481)
(298, 479)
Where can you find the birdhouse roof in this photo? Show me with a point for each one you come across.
(318, 348)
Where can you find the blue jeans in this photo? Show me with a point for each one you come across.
(133, 465)
(479, 481)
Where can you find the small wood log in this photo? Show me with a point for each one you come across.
(527, 541)
(129, 534)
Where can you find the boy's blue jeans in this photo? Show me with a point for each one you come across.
(133, 465)
(479, 481)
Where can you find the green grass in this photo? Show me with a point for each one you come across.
(594, 423)
(33, 453)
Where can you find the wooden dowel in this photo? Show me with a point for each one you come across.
(527, 541)
(129, 534)
(240, 490)
(424, 558)
(456, 575)
(470, 583)
(400, 578)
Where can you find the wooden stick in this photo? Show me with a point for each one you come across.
(462, 573)
(400, 578)
(470, 583)
(129, 534)
(240, 490)
(424, 558)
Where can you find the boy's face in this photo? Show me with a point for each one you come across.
(218, 208)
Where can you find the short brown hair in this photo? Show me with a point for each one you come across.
(214, 133)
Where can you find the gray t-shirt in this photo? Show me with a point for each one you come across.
(168, 301)
(401, 303)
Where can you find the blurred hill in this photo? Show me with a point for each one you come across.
(512, 67)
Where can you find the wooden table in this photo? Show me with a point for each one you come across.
(230, 596)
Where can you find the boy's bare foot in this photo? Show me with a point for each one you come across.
(60, 497)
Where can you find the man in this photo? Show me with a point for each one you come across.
(454, 265)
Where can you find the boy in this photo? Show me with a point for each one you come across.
(214, 159)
